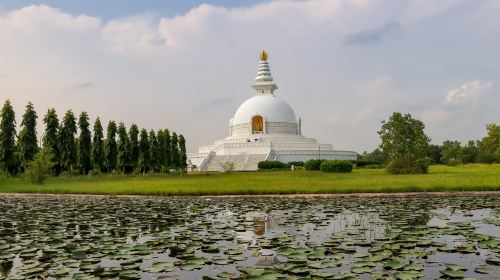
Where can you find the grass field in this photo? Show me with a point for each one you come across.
(440, 178)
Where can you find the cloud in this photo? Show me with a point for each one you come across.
(468, 92)
(371, 36)
(39, 17)
(83, 86)
(135, 33)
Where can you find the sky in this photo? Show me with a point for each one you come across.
(343, 65)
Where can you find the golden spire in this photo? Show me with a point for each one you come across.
(263, 56)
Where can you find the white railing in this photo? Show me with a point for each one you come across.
(197, 155)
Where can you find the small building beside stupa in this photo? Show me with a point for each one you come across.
(263, 128)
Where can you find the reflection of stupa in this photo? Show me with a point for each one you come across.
(263, 128)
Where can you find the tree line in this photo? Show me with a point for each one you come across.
(406, 149)
(73, 147)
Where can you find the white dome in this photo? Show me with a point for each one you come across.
(268, 106)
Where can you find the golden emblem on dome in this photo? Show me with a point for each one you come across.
(263, 56)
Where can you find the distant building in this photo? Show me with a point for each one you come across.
(264, 128)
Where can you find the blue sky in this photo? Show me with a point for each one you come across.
(109, 9)
(343, 65)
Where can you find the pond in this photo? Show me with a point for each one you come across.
(162, 238)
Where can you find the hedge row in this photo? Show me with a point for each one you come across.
(272, 164)
(313, 164)
(340, 166)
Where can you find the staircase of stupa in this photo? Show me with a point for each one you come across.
(242, 162)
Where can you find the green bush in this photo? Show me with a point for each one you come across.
(405, 166)
(486, 157)
(296, 163)
(94, 172)
(40, 167)
(454, 162)
(272, 165)
(424, 163)
(313, 164)
(363, 163)
(372, 166)
(338, 166)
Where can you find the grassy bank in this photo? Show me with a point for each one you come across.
(440, 178)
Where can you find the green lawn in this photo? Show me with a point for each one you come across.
(440, 178)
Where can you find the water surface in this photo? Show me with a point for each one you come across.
(344, 238)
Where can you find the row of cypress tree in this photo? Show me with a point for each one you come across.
(74, 147)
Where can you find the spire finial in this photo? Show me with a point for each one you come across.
(264, 81)
(263, 56)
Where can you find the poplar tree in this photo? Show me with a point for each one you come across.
(182, 152)
(174, 151)
(144, 151)
(84, 143)
(153, 146)
(160, 137)
(123, 147)
(168, 148)
(8, 137)
(27, 140)
(111, 149)
(98, 146)
(50, 138)
(67, 142)
(134, 146)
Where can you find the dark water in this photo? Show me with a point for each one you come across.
(345, 238)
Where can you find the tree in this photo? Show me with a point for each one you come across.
(50, 139)
(174, 151)
(40, 167)
(377, 156)
(451, 153)
(98, 159)
(491, 143)
(470, 152)
(162, 150)
(155, 150)
(8, 137)
(226, 166)
(168, 148)
(133, 133)
(111, 150)
(182, 152)
(144, 152)
(404, 142)
(27, 140)
(434, 153)
(123, 148)
(67, 142)
(84, 144)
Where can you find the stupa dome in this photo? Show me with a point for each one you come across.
(271, 108)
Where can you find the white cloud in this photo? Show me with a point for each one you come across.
(36, 18)
(468, 91)
(136, 33)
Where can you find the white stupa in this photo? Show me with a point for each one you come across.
(263, 128)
